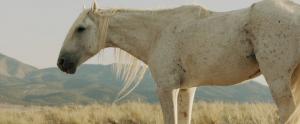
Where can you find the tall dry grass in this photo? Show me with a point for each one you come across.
(137, 113)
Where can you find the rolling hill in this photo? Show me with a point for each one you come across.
(23, 84)
(13, 68)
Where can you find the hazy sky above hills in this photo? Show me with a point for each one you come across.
(33, 30)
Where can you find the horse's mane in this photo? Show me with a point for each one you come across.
(132, 73)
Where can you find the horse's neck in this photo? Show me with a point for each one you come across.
(134, 32)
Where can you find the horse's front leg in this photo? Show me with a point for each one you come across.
(185, 105)
(168, 77)
(168, 101)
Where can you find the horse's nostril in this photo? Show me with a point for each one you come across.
(61, 61)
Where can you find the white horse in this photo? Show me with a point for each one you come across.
(190, 46)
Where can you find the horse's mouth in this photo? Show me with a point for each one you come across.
(70, 71)
(69, 68)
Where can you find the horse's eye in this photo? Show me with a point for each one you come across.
(81, 29)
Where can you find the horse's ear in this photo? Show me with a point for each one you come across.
(94, 6)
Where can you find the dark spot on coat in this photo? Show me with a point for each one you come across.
(181, 68)
(251, 56)
(183, 90)
(185, 114)
(284, 35)
(279, 21)
(246, 31)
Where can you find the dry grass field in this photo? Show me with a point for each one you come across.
(137, 113)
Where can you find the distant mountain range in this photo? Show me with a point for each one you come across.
(12, 68)
(24, 84)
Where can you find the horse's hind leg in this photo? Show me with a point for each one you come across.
(294, 118)
(295, 85)
(282, 96)
(281, 92)
(185, 105)
(277, 68)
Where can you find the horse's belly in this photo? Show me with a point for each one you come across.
(219, 65)
(221, 71)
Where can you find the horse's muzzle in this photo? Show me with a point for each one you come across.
(66, 65)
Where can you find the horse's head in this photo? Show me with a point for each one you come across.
(82, 41)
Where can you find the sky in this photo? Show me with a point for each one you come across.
(33, 31)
